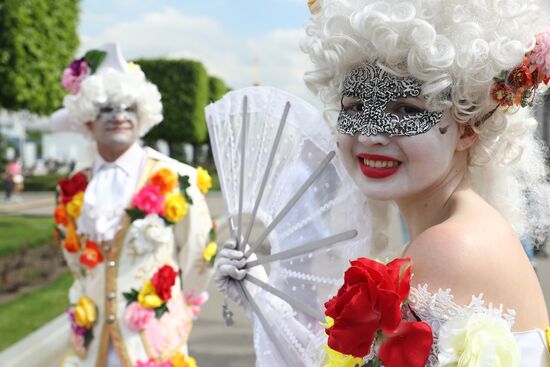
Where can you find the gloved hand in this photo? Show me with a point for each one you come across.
(229, 271)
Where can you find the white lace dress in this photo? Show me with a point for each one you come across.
(438, 308)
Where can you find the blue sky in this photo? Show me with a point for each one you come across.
(237, 40)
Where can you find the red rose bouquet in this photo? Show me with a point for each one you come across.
(366, 321)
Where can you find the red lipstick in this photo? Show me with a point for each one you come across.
(391, 165)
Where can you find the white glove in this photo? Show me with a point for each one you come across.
(229, 270)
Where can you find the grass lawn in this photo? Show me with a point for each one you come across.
(30, 311)
(24, 231)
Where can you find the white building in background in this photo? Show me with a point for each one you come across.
(68, 147)
(62, 147)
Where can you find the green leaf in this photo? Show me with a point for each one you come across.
(135, 213)
(131, 296)
(94, 58)
(159, 311)
(88, 337)
(184, 185)
(212, 235)
(166, 221)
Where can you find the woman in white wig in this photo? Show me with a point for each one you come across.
(433, 101)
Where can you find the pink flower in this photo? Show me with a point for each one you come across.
(195, 301)
(74, 75)
(137, 316)
(151, 363)
(540, 56)
(150, 200)
(77, 340)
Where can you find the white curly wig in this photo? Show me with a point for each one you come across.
(119, 87)
(456, 47)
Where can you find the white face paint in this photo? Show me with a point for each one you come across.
(116, 125)
(394, 168)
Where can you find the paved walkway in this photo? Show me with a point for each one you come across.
(212, 343)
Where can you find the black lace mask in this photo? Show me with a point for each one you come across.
(375, 89)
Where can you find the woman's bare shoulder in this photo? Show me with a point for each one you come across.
(478, 257)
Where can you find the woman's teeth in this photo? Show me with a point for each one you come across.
(380, 164)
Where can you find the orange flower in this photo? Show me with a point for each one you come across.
(520, 76)
(501, 94)
(165, 179)
(91, 256)
(60, 215)
(72, 242)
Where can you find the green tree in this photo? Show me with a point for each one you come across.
(3, 158)
(184, 86)
(38, 39)
(217, 88)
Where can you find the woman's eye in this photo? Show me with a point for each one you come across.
(353, 108)
(106, 109)
(408, 110)
(130, 109)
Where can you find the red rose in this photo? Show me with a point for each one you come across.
(369, 304)
(80, 181)
(163, 280)
(69, 187)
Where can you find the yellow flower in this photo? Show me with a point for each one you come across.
(180, 360)
(74, 206)
(469, 340)
(85, 312)
(148, 297)
(204, 181)
(175, 207)
(165, 179)
(210, 251)
(337, 359)
(548, 336)
(328, 323)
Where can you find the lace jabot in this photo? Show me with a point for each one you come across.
(437, 308)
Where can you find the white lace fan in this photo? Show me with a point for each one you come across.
(275, 158)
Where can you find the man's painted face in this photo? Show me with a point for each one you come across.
(372, 90)
(116, 124)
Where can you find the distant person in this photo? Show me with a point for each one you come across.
(8, 182)
(16, 172)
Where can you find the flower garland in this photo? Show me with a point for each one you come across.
(83, 317)
(151, 300)
(365, 320)
(159, 197)
(70, 199)
(518, 86)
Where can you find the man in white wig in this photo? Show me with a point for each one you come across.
(135, 228)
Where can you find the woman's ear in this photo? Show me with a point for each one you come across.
(466, 137)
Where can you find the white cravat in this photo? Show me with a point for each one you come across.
(109, 193)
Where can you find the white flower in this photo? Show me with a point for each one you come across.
(149, 233)
(477, 340)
